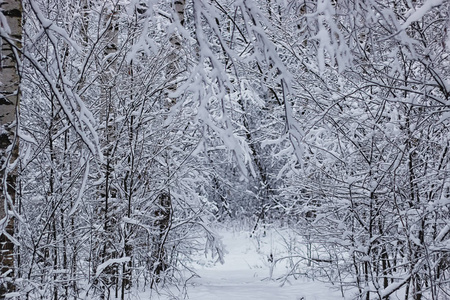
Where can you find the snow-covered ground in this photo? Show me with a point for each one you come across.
(246, 271)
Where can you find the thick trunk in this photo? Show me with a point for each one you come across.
(173, 67)
(11, 36)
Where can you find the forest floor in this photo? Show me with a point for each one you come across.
(245, 274)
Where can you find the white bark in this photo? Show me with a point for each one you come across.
(11, 36)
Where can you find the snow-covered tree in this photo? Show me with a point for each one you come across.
(143, 121)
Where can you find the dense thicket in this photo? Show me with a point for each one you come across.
(144, 122)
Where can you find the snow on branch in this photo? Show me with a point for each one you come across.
(330, 38)
(110, 262)
(49, 25)
(394, 287)
(75, 109)
(421, 11)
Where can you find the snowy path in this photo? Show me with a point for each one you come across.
(238, 285)
(244, 276)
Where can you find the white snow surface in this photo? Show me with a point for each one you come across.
(245, 274)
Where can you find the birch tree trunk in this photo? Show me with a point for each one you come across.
(108, 117)
(163, 212)
(11, 37)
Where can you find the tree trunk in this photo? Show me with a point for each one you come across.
(108, 193)
(11, 38)
(162, 222)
